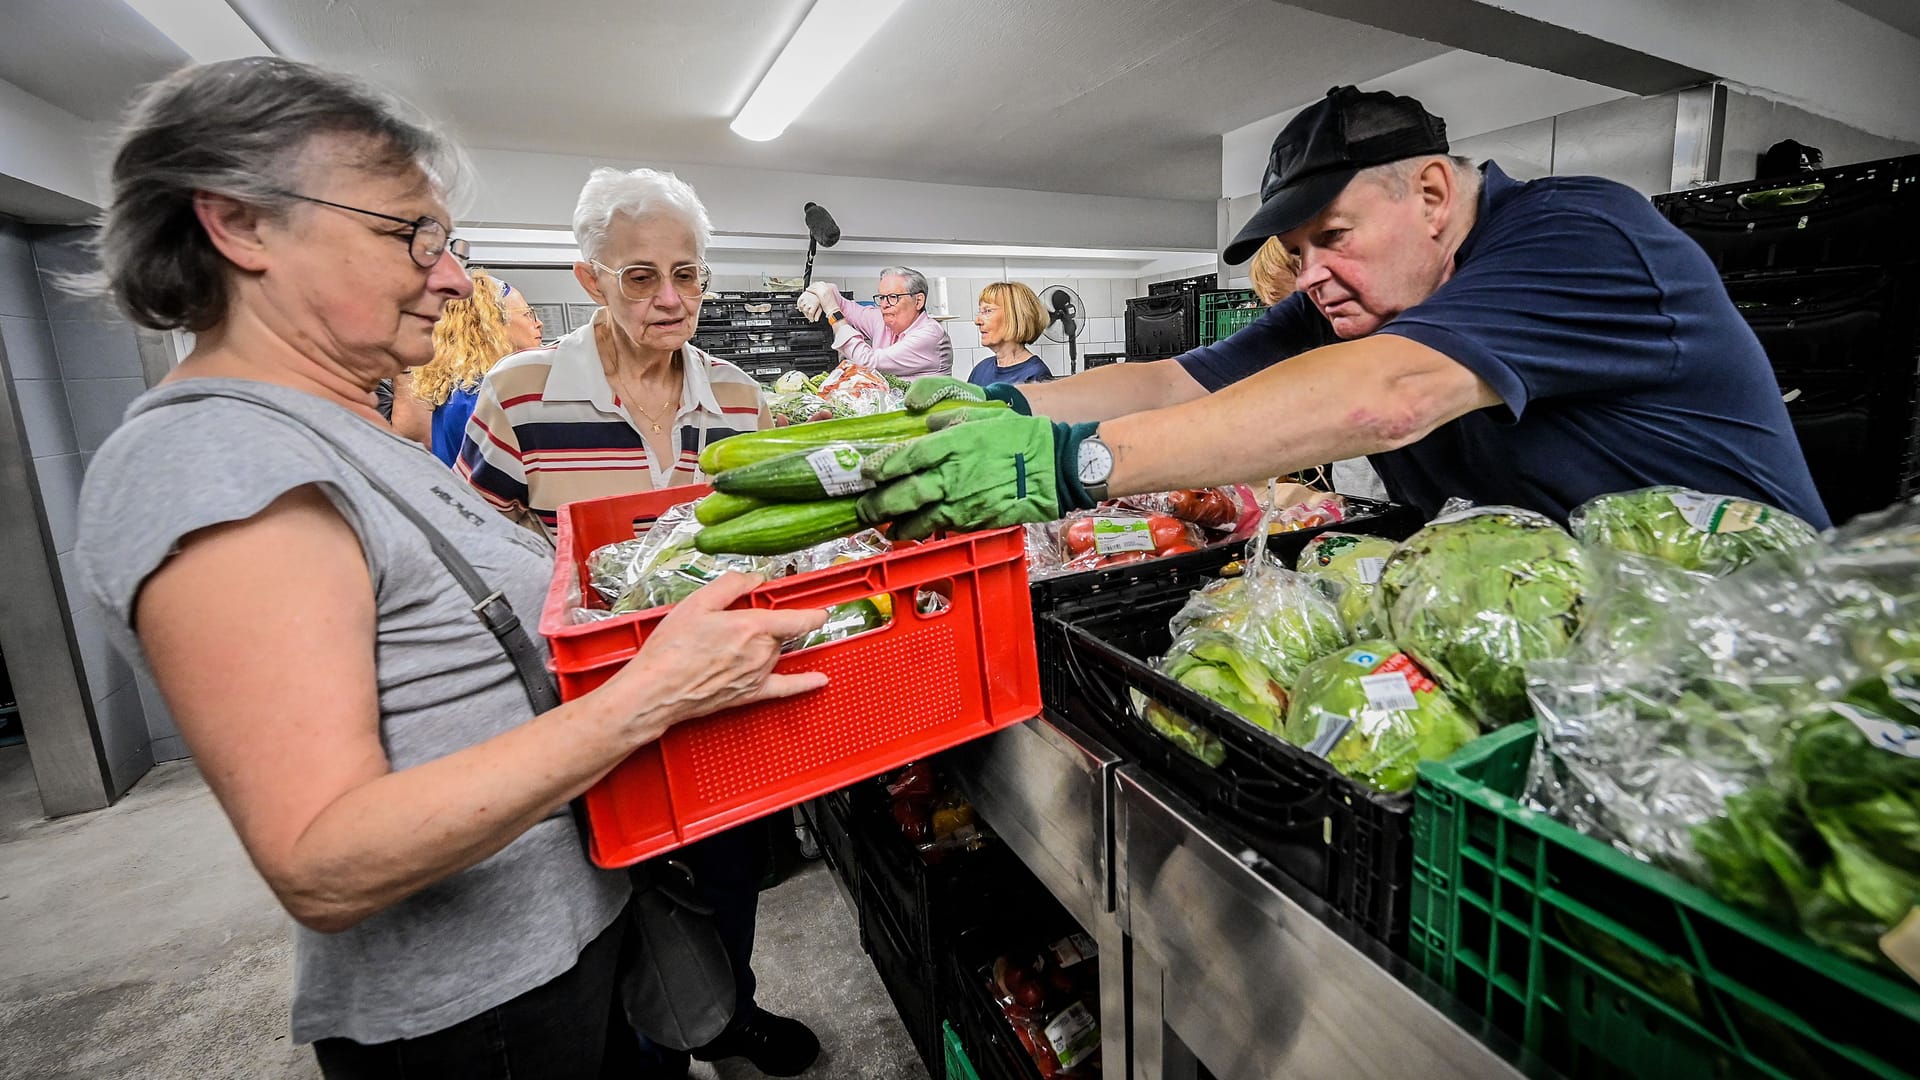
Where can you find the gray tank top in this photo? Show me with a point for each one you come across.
(488, 933)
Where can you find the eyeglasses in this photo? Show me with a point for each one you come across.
(642, 282)
(986, 311)
(888, 299)
(427, 238)
(527, 312)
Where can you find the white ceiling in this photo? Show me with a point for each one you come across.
(1121, 97)
(1902, 15)
(86, 56)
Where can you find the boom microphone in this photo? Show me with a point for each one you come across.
(821, 226)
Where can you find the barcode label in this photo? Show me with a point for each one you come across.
(1389, 691)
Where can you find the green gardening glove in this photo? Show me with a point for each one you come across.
(984, 473)
(924, 393)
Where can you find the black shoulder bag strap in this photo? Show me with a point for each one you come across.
(489, 605)
(678, 986)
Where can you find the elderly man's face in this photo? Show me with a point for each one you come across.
(1371, 254)
(898, 316)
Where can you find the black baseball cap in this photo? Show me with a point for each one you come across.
(1322, 148)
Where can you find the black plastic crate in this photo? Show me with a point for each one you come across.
(1341, 840)
(1085, 591)
(985, 1035)
(734, 343)
(1089, 361)
(1851, 319)
(910, 977)
(766, 369)
(744, 310)
(1163, 325)
(829, 817)
(1866, 213)
(932, 904)
(1197, 284)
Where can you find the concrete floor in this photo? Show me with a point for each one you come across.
(137, 941)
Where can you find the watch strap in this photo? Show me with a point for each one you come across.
(1074, 495)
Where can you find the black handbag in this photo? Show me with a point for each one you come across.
(676, 982)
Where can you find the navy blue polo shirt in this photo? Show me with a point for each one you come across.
(1618, 357)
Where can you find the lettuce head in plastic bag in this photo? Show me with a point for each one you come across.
(1374, 715)
(1714, 534)
(1351, 565)
(1478, 594)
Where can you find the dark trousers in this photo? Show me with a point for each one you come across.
(571, 1028)
(728, 868)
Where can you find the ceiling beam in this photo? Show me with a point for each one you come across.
(1824, 56)
(1506, 33)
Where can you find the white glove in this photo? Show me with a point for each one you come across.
(828, 297)
(809, 306)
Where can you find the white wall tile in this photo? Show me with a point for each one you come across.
(19, 283)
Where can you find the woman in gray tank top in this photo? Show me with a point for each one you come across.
(367, 735)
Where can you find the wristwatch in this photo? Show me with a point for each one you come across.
(1094, 467)
(834, 317)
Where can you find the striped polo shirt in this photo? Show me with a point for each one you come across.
(547, 428)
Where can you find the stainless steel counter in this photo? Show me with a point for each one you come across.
(1046, 788)
(1210, 957)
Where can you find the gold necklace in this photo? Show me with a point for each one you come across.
(670, 408)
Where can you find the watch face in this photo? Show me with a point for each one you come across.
(1096, 462)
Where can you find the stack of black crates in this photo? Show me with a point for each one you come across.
(764, 334)
(1166, 321)
(929, 928)
(1825, 266)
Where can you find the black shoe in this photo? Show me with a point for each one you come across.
(777, 1045)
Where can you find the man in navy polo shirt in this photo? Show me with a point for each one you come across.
(1533, 344)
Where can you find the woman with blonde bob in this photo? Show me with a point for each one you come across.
(1273, 272)
(472, 336)
(1010, 318)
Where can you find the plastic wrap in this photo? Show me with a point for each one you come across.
(1219, 509)
(1480, 593)
(1348, 567)
(1103, 537)
(1714, 534)
(1240, 642)
(1317, 511)
(1373, 714)
(1758, 733)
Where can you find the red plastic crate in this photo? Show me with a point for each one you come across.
(919, 685)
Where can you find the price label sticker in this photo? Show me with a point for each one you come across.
(838, 468)
(1370, 569)
(1112, 535)
(1389, 691)
(1713, 515)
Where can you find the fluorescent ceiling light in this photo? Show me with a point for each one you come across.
(206, 30)
(827, 38)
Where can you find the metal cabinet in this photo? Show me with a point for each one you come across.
(1237, 970)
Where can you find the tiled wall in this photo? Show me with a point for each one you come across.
(75, 365)
(1103, 316)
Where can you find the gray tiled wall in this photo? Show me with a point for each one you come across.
(75, 366)
(98, 355)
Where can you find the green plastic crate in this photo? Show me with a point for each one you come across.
(958, 1067)
(1223, 311)
(1609, 967)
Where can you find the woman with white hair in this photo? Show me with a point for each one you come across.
(623, 404)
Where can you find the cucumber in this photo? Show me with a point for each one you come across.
(720, 506)
(880, 429)
(784, 527)
(793, 477)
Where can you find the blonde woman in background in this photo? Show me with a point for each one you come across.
(1273, 272)
(473, 335)
(1010, 319)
